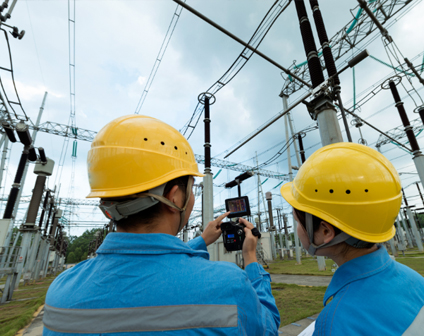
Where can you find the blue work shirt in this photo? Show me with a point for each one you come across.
(373, 295)
(148, 284)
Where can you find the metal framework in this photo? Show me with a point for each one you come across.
(398, 133)
(241, 168)
(353, 33)
(88, 135)
(62, 201)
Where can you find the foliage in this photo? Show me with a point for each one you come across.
(79, 246)
(78, 253)
(71, 258)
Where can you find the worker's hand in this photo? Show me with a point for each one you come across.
(250, 242)
(213, 230)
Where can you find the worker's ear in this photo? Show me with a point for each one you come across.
(324, 234)
(174, 196)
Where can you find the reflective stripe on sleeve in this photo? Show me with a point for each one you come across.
(159, 318)
(417, 326)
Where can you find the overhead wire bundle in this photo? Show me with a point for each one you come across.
(267, 22)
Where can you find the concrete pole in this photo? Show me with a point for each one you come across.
(39, 260)
(400, 232)
(415, 230)
(326, 115)
(287, 120)
(26, 240)
(393, 248)
(408, 236)
(32, 255)
(3, 157)
(299, 162)
(268, 196)
(260, 228)
(207, 212)
(280, 228)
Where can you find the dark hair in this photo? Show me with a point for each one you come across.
(301, 216)
(316, 221)
(146, 217)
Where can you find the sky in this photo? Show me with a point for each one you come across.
(116, 45)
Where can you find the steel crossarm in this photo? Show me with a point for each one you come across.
(350, 36)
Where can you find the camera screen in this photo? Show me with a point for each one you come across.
(230, 236)
(238, 206)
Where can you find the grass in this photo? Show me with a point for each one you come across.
(17, 314)
(309, 266)
(297, 302)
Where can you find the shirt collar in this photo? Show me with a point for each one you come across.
(145, 243)
(358, 268)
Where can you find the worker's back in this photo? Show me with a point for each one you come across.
(373, 295)
(147, 283)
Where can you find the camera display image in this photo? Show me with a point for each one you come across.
(238, 206)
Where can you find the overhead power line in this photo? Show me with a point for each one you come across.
(267, 22)
(159, 57)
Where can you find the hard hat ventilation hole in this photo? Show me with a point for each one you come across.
(316, 190)
(162, 143)
(331, 191)
(145, 139)
(176, 148)
(348, 191)
(366, 190)
(186, 153)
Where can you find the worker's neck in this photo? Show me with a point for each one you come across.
(167, 223)
(343, 256)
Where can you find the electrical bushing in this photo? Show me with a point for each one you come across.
(421, 113)
(23, 133)
(32, 155)
(42, 154)
(9, 131)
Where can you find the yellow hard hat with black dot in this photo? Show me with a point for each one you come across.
(352, 187)
(137, 155)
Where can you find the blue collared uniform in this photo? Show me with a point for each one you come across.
(151, 284)
(373, 295)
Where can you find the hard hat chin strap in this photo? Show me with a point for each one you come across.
(118, 210)
(167, 202)
(341, 237)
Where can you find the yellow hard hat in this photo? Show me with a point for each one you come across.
(351, 186)
(136, 153)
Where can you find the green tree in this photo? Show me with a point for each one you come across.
(78, 254)
(71, 258)
(81, 242)
(84, 256)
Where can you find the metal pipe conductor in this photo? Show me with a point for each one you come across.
(314, 64)
(226, 32)
(16, 185)
(329, 61)
(402, 113)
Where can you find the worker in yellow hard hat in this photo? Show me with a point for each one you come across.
(345, 199)
(144, 279)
